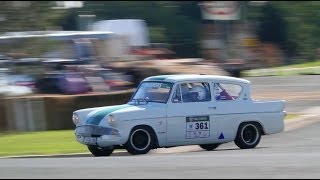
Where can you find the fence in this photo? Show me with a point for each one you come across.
(51, 112)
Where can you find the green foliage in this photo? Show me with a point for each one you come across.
(158, 34)
(272, 26)
(69, 22)
(293, 26)
(31, 47)
(173, 22)
(28, 15)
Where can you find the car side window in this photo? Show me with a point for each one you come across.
(226, 91)
(192, 92)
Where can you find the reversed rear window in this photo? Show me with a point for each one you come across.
(226, 91)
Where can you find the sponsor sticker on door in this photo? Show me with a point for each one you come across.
(197, 127)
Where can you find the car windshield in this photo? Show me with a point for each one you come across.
(153, 92)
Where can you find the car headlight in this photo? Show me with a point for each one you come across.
(285, 113)
(75, 118)
(111, 119)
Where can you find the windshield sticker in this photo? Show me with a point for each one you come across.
(152, 85)
(166, 85)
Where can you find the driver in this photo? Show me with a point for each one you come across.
(184, 89)
(198, 93)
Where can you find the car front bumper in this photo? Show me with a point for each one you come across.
(97, 135)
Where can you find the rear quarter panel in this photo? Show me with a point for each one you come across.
(269, 114)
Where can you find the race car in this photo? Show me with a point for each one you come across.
(178, 110)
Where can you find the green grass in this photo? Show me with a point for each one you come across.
(291, 116)
(48, 142)
(294, 69)
(40, 143)
(303, 65)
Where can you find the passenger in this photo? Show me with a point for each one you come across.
(225, 96)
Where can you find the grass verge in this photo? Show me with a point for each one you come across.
(40, 143)
(291, 116)
(295, 69)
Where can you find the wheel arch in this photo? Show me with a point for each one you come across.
(153, 133)
(257, 122)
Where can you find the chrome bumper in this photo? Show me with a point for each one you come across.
(96, 135)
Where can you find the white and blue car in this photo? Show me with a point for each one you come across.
(177, 110)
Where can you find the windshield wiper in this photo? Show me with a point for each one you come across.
(156, 101)
(137, 101)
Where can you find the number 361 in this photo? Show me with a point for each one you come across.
(201, 125)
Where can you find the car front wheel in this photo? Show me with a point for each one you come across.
(100, 151)
(140, 141)
(248, 136)
(209, 147)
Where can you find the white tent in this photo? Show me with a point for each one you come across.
(135, 29)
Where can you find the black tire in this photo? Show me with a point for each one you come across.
(141, 141)
(100, 151)
(248, 135)
(209, 147)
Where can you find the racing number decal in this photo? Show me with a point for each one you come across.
(197, 127)
(201, 125)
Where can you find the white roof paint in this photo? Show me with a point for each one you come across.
(192, 77)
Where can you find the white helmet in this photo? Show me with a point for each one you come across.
(184, 88)
(201, 92)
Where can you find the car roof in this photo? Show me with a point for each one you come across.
(191, 77)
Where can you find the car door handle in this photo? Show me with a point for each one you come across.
(212, 108)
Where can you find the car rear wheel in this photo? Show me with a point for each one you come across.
(140, 141)
(248, 135)
(100, 151)
(209, 147)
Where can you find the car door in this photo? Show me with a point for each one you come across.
(190, 121)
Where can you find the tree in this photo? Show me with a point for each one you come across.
(293, 26)
(272, 26)
(176, 22)
(28, 15)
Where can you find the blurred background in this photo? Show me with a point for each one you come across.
(60, 56)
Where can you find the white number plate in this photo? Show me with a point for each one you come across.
(197, 127)
(87, 140)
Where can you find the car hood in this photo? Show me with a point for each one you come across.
(139, 112)
(97, 116)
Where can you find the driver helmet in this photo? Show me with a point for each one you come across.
(184, 88)
(201, 92)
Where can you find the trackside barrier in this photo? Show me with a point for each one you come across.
(3, 122)
(25, 114)
(51, 112)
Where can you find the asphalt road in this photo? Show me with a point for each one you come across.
(300, 92)
(294, 153)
